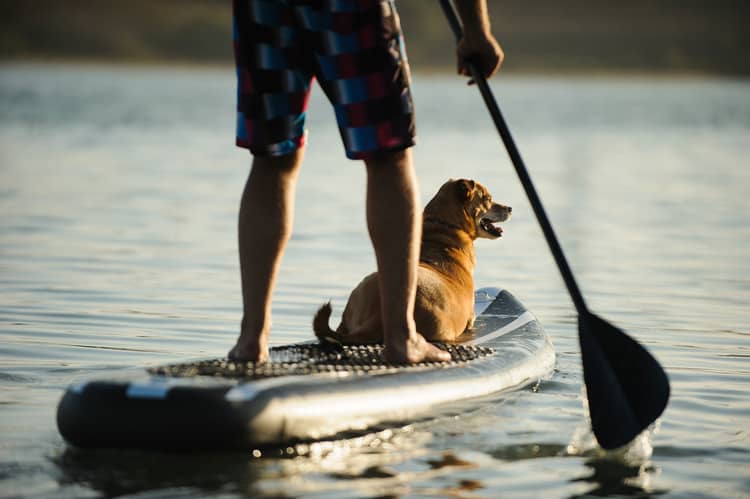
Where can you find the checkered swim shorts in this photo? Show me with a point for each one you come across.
(355, 50)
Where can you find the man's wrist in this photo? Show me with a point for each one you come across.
(477, 35)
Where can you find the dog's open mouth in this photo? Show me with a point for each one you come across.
(489, 227)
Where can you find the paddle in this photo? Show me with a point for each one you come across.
(627, 388)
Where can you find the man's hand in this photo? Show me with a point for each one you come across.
(477, 43)
(483, 50)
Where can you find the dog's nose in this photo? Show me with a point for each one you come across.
(510, 209)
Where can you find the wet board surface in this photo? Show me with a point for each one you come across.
(306, 392)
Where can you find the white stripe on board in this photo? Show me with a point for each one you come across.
(245, 392)
(522, 320)
(157, 388)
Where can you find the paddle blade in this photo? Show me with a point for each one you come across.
(627, 388)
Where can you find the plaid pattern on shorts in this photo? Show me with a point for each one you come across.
(353, 47)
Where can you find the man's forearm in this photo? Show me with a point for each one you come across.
(474, 17)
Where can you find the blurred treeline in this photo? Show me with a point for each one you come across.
(685, 36)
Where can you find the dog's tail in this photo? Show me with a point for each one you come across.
(323, 331)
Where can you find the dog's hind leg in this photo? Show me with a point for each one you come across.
(368, 333)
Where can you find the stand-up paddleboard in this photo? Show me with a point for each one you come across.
(306, 392)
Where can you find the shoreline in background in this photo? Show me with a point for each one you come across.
(642, 36)
(126, 64)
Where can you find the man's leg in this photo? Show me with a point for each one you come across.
(265, 225)
(395, 224)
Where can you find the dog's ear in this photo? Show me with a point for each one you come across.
(465, 188)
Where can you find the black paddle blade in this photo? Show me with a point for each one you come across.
(627, 388)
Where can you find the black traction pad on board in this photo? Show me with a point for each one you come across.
(313, 358)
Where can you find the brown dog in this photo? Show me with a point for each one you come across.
(460, 212)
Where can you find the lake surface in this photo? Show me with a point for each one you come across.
(119, 188)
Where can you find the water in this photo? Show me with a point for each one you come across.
(118, 194)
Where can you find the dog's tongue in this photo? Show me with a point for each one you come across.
(493, 229)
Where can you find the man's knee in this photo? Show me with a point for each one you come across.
(390, 162)
(283, 167)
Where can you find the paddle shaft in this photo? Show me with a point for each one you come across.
(523, 175)
(627, 388)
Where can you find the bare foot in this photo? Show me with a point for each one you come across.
(250, 348)
(240, 353)
(415, 349)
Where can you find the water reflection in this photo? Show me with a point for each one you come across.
(325, 465)
(622, 472)
(615, 478)
(520, 452)
(387, 463)
(114, 473)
